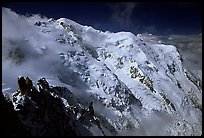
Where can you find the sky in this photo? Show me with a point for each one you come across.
(136, 17)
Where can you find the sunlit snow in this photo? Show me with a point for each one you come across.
(96, 65)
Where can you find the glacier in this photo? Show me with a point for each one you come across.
(138, 85)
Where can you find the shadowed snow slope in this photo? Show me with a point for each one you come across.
(138, 87)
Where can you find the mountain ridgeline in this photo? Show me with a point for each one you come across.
(137, 86)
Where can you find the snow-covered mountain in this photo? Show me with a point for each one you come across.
(190, 47)
(138, 86)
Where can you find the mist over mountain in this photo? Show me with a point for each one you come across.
(190, 47)
(139, 85)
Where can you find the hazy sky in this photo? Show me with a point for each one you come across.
(156, 18)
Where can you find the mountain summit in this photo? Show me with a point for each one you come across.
(138, 86)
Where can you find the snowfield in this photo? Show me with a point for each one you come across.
(138, 86)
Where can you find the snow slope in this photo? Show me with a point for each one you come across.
(139, 87)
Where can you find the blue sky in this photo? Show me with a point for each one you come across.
(156, 18)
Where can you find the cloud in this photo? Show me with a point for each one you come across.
(123, 18)
(20, 50)
(190, 48)
(150, 125)
(122, 13)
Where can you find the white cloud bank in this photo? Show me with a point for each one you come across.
(27, 51)
(22, 47)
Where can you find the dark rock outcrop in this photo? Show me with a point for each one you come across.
(49, 111)
(10, 122)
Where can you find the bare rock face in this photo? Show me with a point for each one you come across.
(47, 113)
(138, 86)
(10, 122)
